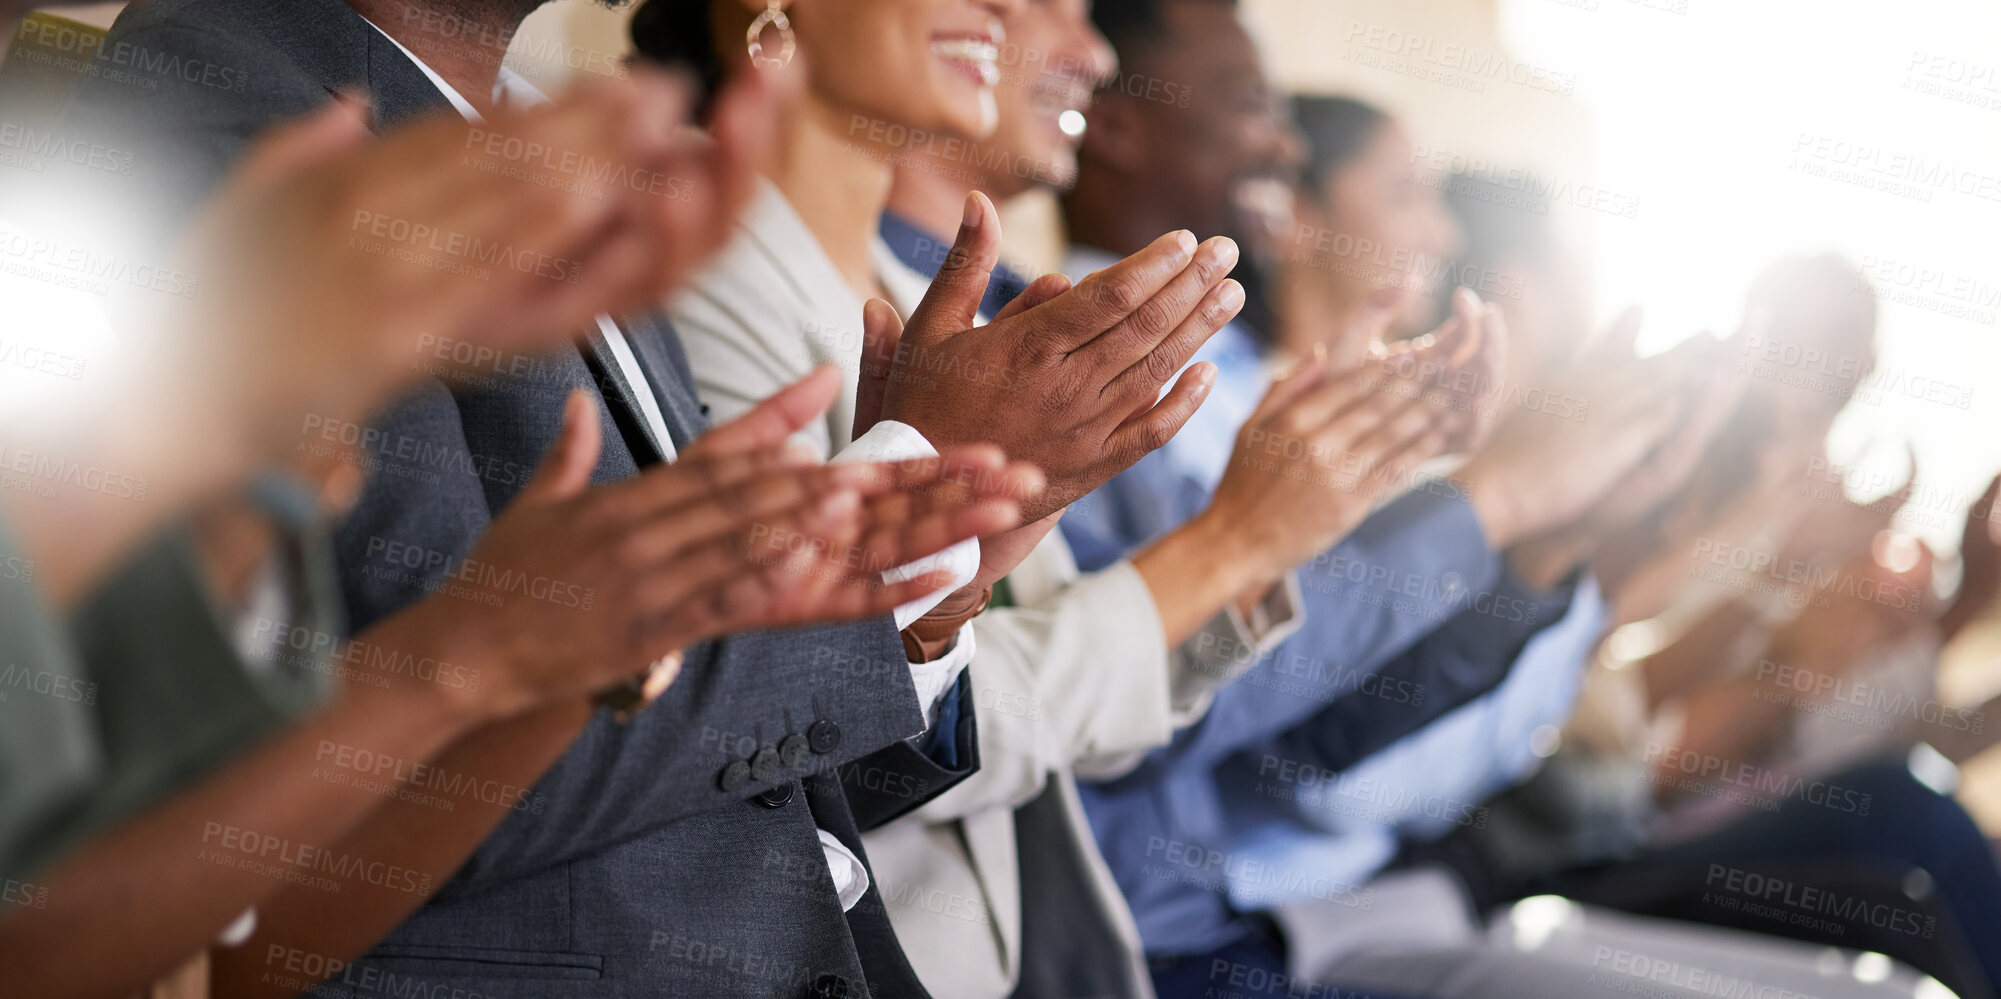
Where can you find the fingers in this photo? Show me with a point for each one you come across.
(566, 469)
(700, 498)
(744, 125)
(1106, 297)
(952, 303)
(621, 245)
(712, 177)
(749, 501)
(882, 331)
(1149, 431)
(1381, 426)
(1141, 381)
(1302, 377)
(771, 422)
(818, 565)
(728, 579)
(1040, 290)
(615, 273)
(980, 468)
(1340, 394)
(1337, 397)
(1181, 311)
(1390, 453)
(900, 528)
(668, 491)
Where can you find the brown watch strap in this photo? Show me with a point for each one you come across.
(928, 630)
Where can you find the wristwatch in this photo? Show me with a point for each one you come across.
(928, 630)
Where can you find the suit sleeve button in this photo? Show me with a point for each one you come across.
(777, 797)
(764, 765)
(824, 736)
(792, 751)
(735, 776)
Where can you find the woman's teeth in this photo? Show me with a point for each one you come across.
(982, 57)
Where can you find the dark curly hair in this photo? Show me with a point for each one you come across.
(680, 34)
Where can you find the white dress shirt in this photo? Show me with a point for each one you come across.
(888, 441)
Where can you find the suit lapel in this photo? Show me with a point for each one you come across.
(658, 349)
(400, 91)
(619, 397)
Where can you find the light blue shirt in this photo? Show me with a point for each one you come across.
(1408, 606)
(1346, 827)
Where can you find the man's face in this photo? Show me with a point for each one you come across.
(1053, 60)
(1219, 157)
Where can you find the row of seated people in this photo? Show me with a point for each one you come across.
(580, 555)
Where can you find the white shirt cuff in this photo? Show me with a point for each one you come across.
(1229, 644)
(850, 876)
(890, 440)
(1273, 619)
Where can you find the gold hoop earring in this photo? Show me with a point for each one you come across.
(773, 17)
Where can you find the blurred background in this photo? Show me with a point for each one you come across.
(1679, 146)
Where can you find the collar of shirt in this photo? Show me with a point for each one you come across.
(509, 89)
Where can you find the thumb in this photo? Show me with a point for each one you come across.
(566, 469)
(952, 303)
(882, 331)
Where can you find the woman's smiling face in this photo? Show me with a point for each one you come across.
(927, 65)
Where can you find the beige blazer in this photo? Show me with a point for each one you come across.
(1076, 679)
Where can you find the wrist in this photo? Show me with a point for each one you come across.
(463, 690)
(931, 636)
(1544, 562)
(1196, 571)
(960, 602)
(1491, 495)
(1241, 558)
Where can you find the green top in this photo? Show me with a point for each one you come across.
(49, 752)
(164, 694)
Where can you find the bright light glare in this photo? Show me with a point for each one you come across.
(1753, 128)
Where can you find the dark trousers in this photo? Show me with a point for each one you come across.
(1251, 968)
(1910, 876)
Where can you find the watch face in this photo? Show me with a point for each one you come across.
(639, 691)
(661, 675)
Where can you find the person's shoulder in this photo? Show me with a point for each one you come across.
(168, 60)
(771, 282)
(154, 38)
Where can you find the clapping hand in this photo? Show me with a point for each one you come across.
(744, 531)
(1071, 382)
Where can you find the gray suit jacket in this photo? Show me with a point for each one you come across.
(633, 872)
